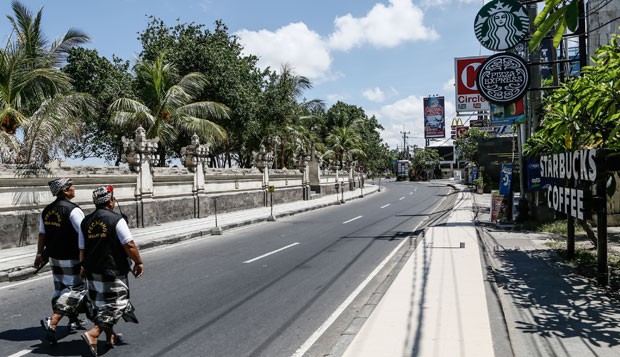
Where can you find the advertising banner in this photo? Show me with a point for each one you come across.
(512, 113)
(468, 98)
(505, 180)
(434, 117)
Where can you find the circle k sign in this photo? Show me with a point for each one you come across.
(468, 97)
(503, 78)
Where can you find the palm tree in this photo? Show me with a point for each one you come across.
(31, 84)
(27, 29)
(166, 108)
(344, 144)
(284, 110)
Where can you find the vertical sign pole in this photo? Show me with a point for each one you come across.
(601, 218)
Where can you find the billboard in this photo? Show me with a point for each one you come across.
(468, 98)
(513, 113)
(434, 118)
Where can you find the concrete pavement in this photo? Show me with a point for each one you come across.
(437, 304)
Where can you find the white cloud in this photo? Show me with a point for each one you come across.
(383, 26)
(374, 95)
(448, 87)
(293, 44)
(333, 98)
(401, 116)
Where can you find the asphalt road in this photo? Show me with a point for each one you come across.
(261, 290)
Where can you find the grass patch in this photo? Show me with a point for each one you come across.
(555, 227)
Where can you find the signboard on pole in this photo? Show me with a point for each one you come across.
(501, 24)
(503, 78)
(434, 118)
(468, 98)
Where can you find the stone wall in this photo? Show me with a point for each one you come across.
(148, 197)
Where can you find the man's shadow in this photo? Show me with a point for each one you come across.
(67, 345)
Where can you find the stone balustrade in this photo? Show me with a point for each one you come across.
(148, 196)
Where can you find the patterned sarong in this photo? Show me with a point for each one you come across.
(109, 295)
(69, 289)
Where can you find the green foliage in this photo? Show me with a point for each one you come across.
(167, 107)
(107, 81)
(424, 161)
(584, 113)
(233, 79)
(467, 143)
(35, 97)
(556, 16)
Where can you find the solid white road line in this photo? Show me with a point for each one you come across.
(270, 253)
(20, 353)
(352, 219)
(385, 205)
(301, 351)
(45, 275)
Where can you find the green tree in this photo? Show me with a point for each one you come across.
(344, 145)
(467, 143)
(376, 154)
(167, 108)
(584, 112)
(35, 96)
(282, 111)
(424, 162)
(107, 81)
(234, 80)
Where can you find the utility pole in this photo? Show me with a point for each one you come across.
(405, 142)
(534, 103)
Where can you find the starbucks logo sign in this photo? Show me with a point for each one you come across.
(501, 24)
(503, 78)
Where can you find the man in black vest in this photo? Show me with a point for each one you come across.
(58, 243)
(105, 245)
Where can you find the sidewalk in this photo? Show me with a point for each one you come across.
(16, 263)
(437, 305)
(549, 309)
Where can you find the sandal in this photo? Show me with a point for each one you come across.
(115, 339)
(50, 333)
(91, 346)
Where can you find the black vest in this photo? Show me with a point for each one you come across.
(104, 253)
(61, 239)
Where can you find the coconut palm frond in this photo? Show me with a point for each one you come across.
(176, 96)
(194, 83)
(9, 147)
(162, 130)
(54, 126)
(204, 128)
(128, 113)
(206, 110)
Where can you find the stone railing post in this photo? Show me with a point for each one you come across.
(314, 169)
(141, 154)
(194, 156)
(263, 160)
(302, 160)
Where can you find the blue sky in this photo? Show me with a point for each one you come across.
(384, 56)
